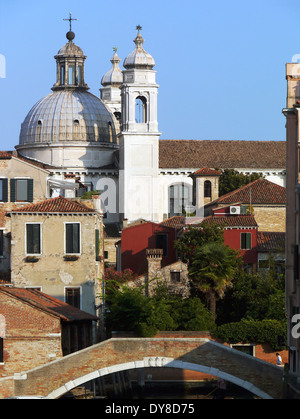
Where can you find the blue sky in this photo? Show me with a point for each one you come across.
(220, 65)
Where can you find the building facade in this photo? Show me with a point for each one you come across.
(57, 248)
(112, 144)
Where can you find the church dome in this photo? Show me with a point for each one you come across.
(114, 77)
(139, 58)
(68, 115)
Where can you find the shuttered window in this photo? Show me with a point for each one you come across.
(21, 190)
(72, 238)
(33, 239)
(1, 242)
(3, 190)
(245, 241)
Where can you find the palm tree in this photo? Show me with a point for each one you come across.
(212, 269)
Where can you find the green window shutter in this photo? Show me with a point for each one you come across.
(97, 236)
(248, 240)
(72, 238)
(12, 190)
(5, 190)
(30, 190)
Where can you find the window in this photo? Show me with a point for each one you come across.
(180, 199)
(21, 190)
(72, 74)
(33, 239)
(162, 243)
(1, 351)
(140, 110)
(62, 75)
(175, 276)
(245, 241)
(3, 190)
(97, 245)
(1, 243)
(72, 296)
(72, 237)
(247, 349)
(79, 74)
(207, 189)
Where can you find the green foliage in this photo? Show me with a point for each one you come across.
(89, 194)
(254, 296)
(195, 237)
(247, 331)
(131, 310)
(213, 267)
(230, 180)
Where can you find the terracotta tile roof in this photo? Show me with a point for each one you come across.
(207, 171)
(55, 205)
(270, 241)
(49, 304)
(5, 155)
(261, 191)
(178, 221)
(233, 220)
(222, 154)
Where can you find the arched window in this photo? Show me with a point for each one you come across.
(118, 116)
(180, 199)
(110, 132)
(207, 189)
(140, 110)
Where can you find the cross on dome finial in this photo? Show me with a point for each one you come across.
(115, 49)
(70, 20)
(139, 28)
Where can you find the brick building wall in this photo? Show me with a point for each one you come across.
(31, 337)
(270, 218)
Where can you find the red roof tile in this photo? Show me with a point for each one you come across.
(222, 154)
(233, 220)
(55, 205)
(49, 304)
(270, 241)
(206, 171)
(261, 191)
(4, 155)
(178, 221)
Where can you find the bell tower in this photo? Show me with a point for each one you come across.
(139, 136)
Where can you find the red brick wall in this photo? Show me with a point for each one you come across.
(27, 341)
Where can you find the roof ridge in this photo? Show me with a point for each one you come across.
(53, 206)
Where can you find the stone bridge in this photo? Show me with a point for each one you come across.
(55, 379)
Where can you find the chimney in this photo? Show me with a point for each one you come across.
(154, 258)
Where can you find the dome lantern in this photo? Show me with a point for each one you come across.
(114, 77)
(70, 64)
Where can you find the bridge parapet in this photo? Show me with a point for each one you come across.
(114, 355)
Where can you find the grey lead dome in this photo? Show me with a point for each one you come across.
(68, 115)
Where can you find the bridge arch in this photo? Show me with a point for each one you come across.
(157, 362)
(114, 355)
